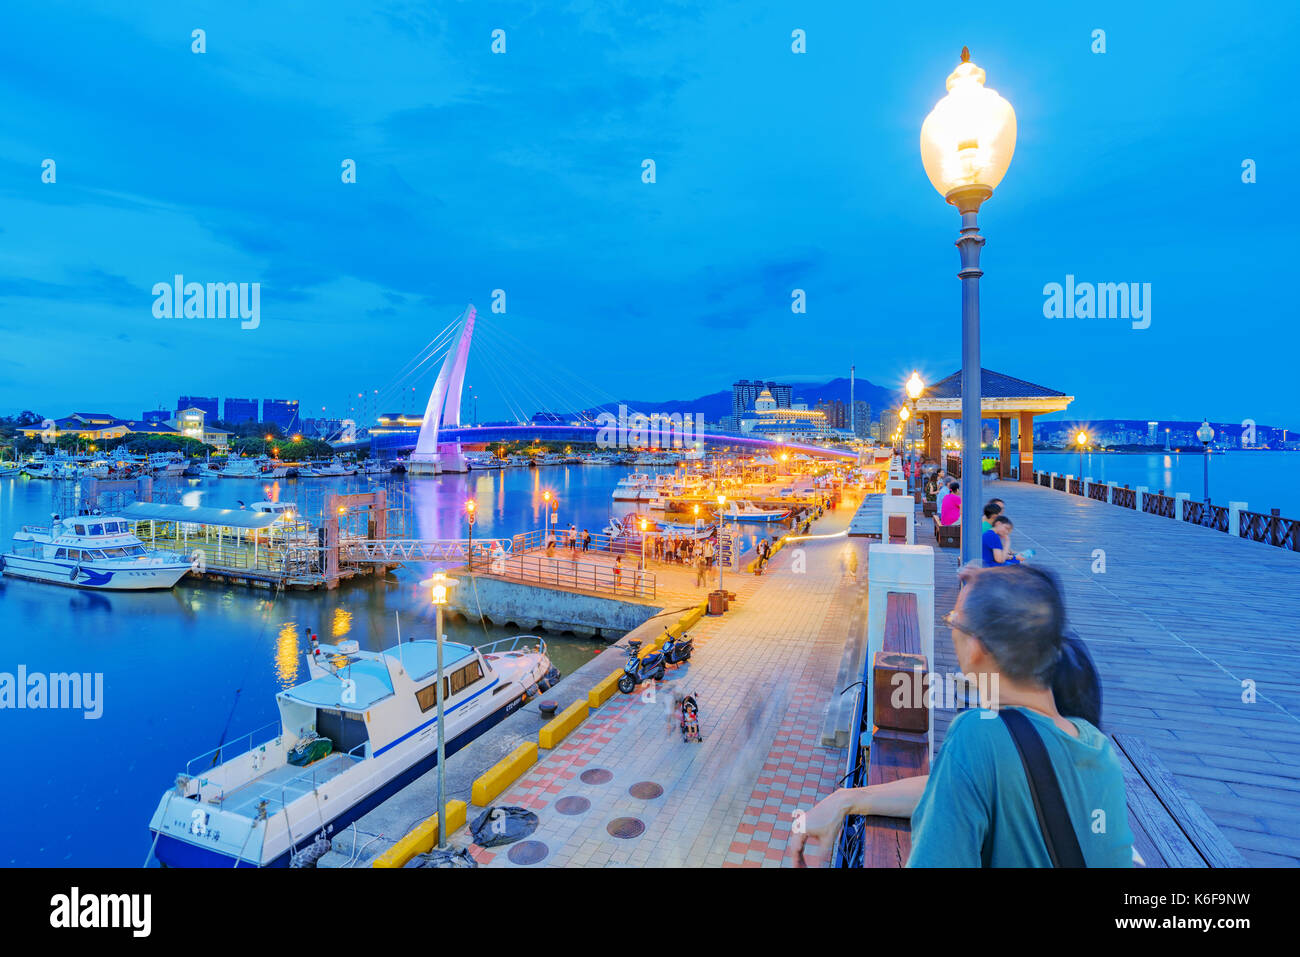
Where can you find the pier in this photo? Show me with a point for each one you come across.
(1183, 624)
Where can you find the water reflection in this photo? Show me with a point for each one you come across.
(287, 655)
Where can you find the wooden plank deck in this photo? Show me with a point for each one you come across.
(1183, 623)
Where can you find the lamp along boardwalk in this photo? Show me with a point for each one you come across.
(361, 729)
(91, 551)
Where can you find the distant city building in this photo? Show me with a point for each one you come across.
(771, 420)
(889, 423)
(323, 428)
(836, 412)
(862, 419)
(398, 423)
(745, 393)
(281, 412)
(240, 410)
(207, 403)
(156, 415)
(1151, 432)
(100, 426)
(192, 423)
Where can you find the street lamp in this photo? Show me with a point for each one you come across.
(440, 587)
(546, 516)
(915, 386)
(697, 518)
(1205, 433)
(722, 500)
(1081, 440)
(966, 146)
(470, 507)
(643, 529)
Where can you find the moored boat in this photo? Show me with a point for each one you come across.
(363, 727)
(91, 551)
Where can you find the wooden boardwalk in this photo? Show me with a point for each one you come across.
(1183, 624)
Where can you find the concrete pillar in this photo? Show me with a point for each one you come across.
(899, 568)
(1234, 517)
(934, 437)
(1026, 439)
(1140, 494)
(898, 505)
(1179, 499)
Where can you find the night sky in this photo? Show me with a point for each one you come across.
(522, 171)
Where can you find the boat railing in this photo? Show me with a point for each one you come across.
(503, 646)
(36, 529)
(219, 754)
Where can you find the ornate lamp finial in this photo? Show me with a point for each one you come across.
(965, 54)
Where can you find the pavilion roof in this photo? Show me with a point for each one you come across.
(993, 385)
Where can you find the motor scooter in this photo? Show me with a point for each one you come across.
(638, 669)
(677, 650)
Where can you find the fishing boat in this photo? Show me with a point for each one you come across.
(91, 551)
(167, 463)
(334, 468)
(749, 512)
(483, 460)
(363, 727)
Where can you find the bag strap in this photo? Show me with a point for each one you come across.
(1049, 804)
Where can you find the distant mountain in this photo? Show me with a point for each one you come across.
(715, 405)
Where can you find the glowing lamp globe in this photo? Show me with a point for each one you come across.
(1205, 433)
(440, 587)
(969, 137)
(915, 386)
(904, 413)
(1082, 438)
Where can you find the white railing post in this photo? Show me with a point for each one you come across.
(1141, 492)
(1234, 517)
(1179, 499)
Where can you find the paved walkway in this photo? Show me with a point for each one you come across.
(625, 790)
(1178, 622)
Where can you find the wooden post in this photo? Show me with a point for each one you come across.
(1004, 447)
(1026, 439)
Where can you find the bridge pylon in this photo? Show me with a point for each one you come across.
(432, 456)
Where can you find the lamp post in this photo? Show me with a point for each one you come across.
(440, 587)
(546, 517)
(1081, 440)
(470, 507)
(915, 387)
(697, 518)
(904, 414)
(643, 531)
(966, 146)
(1205, 433)
(722, 500)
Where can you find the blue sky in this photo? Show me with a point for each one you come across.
(522, 172)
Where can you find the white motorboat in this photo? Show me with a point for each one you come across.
(639, 486)
(167, 463)
(334, 468)
(749, 512)
(91, 551)
(363, 727)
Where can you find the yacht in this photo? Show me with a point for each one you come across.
(634, 488)
(334, 468)
(749, 512)
(166, 463)
(363, 727)
(91, 551)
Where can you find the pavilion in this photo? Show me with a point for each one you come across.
(1002, 397)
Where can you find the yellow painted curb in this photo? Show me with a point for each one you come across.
(422, 838)
(554, 731)
(502, 774)
(604, 690)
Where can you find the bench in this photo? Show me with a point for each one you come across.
(897, 750)
(1169, 828)
(928, 507)
(948, 536)
(898, 530)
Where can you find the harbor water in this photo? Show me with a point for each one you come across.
(186, 669)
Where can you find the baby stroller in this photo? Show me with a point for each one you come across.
(690, 719)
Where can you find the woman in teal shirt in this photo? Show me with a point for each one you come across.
(975, 808)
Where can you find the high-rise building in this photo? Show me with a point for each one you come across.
(745, 393)
(836, 412)
(281, 412)
(154, 416)
(889, 423)
(240, 410)
(1151, 432)
(862, 419)
(207, 403)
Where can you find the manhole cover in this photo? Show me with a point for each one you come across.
(527, 852)
(625, 827)
(645, 790)
(572, 805)
(596, 776)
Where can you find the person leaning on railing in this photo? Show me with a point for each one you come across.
(976, 808)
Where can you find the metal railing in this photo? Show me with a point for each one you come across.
(454, 550)
(1269, 529)
(628, 581)
(850, 848)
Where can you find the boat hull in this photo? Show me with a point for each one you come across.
(172, 851)
(65, 573)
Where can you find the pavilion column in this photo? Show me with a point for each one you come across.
(1004, 446)
(933, 436)
(1026, 439)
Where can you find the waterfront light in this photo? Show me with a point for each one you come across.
(1081, 438)
(904, 413)
(915, 386)
(966, 146)
(440, 586)
(1206, 433)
